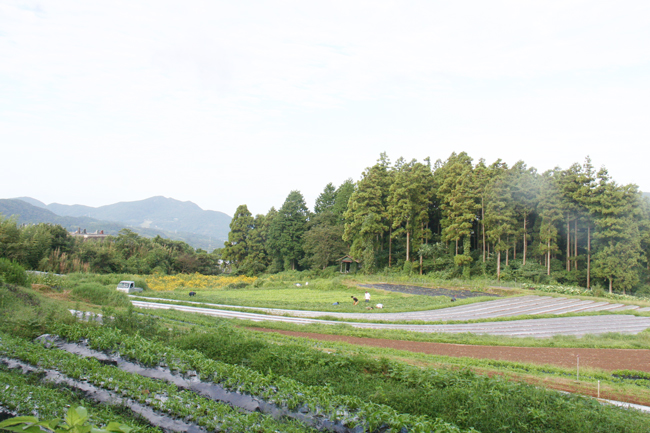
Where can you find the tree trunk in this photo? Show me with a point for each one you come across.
(408, 245)
(483, 227)
(427, 239)
(575, 244)
(499, 266)
(456, 246)
(568, 245)
(525, 240)
(390, 246)
(507, 255)
(420, 264)
(548, 258)
(514, 250)
(588, 256)
(610, 284)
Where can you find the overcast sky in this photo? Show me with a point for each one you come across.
(230, 102)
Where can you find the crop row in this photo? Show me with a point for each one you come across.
(277, 390)
(158, 395)
(18, 394)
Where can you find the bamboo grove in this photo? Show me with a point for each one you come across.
(459, 219)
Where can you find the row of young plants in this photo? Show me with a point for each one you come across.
(160, 396)
(26, 395)
(274, 389)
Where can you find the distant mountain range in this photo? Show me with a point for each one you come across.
(162, 216)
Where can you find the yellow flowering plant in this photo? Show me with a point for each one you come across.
(195, 281)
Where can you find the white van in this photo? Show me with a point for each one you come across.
(128, 287)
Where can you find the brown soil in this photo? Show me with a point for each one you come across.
(606, 359)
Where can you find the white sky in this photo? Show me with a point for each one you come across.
(231, 102)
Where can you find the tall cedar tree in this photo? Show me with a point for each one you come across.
(583, 196)
(500, 213)
(237, 248)
(525, 192)
(287, 229)
(457, 200)
(550, 213)
(343, 194)
(617, 232)
(326, 200)
(258, 259)
(409, 200)
(323, 242)
(365, 217)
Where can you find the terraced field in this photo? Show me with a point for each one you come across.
(509, 307)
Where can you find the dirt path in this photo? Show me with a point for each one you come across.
(606, 359)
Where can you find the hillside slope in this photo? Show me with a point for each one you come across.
(27, 213)
(157, 213)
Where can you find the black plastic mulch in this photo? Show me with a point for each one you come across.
(415, 290)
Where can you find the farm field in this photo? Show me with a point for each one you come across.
(605, 359)
(301, 381)
(543, 327)
(321, 295)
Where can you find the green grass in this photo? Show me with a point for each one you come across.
(295, 298)
(25, 312)
(320, 295)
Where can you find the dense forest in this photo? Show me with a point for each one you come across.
(459, 218)
(452, 219)
(49, 247)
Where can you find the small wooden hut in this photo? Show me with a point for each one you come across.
(349, 263)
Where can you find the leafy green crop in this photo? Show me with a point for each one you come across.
(25, 394)
(76, 421)
(274, 389)
(160, 396)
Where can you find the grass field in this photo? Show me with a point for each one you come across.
(320, 295)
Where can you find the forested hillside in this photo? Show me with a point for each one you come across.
(460, 218)
(456, 218)
(160, 213)
(30, 211)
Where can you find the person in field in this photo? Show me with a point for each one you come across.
(355, 300)
(367, 297)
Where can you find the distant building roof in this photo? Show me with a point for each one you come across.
(99, 234)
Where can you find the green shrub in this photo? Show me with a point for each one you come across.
(47, 279)
(95, 293)
(25, 313)
(226, 344)
(12, 272)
